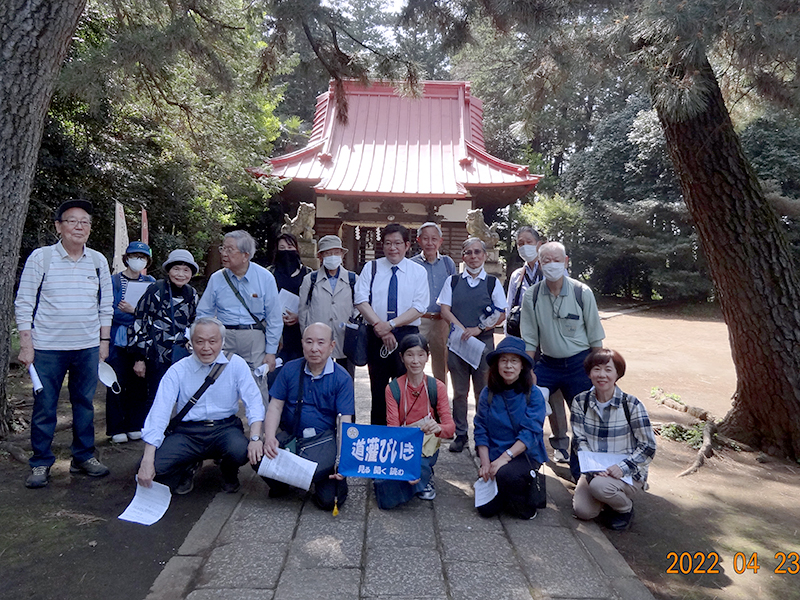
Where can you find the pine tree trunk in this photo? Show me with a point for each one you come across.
(750, 262)
(34, 38)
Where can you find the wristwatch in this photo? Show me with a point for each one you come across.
(481, 326)
(391, 322)
(255, 438)
(510, 454)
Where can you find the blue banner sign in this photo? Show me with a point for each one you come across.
(380, 452)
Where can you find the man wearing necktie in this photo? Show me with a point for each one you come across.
(391, 301)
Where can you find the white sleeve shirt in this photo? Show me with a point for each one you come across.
(220, 401)
(498, 295)
(412, 287)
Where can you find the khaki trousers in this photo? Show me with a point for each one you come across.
(250, 344)
(589, 497)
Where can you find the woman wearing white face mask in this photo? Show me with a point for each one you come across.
(528, 243)
(124, 411)
(326, 295)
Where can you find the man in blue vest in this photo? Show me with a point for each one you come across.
(474, 303)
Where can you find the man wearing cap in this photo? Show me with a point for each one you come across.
(326, 296)
(244, 296)
(125, 410)
(473, 303)
(391, 294)
(560, 317)
(63, 312)
(439, 268)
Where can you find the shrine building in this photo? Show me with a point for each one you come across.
(397, 159)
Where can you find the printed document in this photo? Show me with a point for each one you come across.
(289, 301)
(471, 350)
(288, 468)
(594, 462)
(135, 290)
(148, 504)
(485, 491)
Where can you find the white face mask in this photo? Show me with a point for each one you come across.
(528, 252)
(332, 262)
(137, 264)
(474, 271)
(553, 271)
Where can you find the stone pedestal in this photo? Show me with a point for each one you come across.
(308, 253)
(494, 265)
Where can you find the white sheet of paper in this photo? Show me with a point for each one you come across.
(288, 468)
(471, 350)
(135, 290)
(548, 410)
(148, 504)
(592, 462)
(289, 301)
(485, 491)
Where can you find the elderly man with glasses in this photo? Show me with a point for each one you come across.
(391, 294)
(64, 313)
(244, 296)
(474, 303)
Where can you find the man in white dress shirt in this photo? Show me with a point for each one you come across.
(391, 294)
(210, 429)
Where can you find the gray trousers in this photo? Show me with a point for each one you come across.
(460, 374)
(436, 331)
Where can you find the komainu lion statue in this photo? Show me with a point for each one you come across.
(302, 226)
(476, 227)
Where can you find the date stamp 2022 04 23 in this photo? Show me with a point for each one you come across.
(685, 563)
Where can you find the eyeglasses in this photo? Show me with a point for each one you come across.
(472, 253)
(394, 244)
(72, 222)
(227, 250)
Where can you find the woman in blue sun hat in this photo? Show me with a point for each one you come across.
(508, 430)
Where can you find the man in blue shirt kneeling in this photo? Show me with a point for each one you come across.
(306, 398)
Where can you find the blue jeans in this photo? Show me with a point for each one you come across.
(52, 366)
(567, 375)
(390, 493)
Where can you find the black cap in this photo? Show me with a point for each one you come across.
(84, 204)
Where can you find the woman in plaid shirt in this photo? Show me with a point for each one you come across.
(605, 420)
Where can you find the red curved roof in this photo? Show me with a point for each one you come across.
(395, 146)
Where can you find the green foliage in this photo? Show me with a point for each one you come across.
(158, 108)
(772, 143)
(563, 220)
(640, 241)
(693, 436)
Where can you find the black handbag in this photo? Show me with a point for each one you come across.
(356, 332)
(513, 321)
(537, 489)
(356, 339)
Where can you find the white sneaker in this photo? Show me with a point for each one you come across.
(120, 438)
(135, 435)
(560, 456)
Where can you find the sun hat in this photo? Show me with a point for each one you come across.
(329, 242)
(180, 256)
(510, 345)
(74, 203)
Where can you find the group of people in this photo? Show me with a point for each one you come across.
(194, 357)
